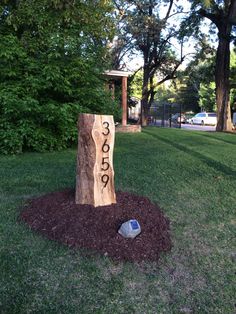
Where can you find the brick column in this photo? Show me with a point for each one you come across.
(124, 101)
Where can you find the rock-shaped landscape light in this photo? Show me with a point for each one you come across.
(130, 229)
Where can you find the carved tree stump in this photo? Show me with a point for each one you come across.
(95, 174)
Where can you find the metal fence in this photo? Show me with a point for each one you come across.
(165, 115)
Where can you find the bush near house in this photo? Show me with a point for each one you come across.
(52, 56)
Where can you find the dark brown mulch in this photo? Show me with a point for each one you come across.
(56, 216)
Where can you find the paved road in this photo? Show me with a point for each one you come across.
(198, 127)
(187, 126)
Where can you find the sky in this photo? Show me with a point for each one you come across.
(189, 47)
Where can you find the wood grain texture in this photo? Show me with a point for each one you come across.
(95, 173)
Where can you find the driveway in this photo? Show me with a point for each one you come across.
(192, 127)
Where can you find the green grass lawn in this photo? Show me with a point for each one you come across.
(191, 175)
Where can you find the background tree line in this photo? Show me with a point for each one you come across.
(53, 54)
(148, 27)
(194, 88)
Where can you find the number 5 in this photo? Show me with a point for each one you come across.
(105, 163)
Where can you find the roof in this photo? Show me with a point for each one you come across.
(117, 73)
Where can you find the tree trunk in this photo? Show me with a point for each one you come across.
(145, 90)
(144, 101)
(95, 174)
(222, 79)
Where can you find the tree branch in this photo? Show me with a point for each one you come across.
(169, 10)
(212, 17)
(167, 77)
(180, 12)
(232, 13)
(139, 7)
(133, 75)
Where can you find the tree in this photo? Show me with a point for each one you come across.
(198, 91)
(233, 80)
(185, 88)
(136, 85)
(222, 13)
(207, 99)
(149, 33)
(52, 56)
(185, 92)
(195, 86)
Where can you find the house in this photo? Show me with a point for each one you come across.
(114, 75)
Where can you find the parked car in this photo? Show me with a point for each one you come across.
(178, 118)
(204, 118)
(189, 117)
(234, 119)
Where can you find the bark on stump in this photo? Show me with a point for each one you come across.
(95, 174)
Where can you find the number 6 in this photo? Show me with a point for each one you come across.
(105, 147)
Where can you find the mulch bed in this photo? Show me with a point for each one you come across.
(56, 216)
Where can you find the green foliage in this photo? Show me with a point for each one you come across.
(136, 85)
(182, 91)
(165, 94)
(187, 95)
(203, 74)
(221, 14)
(207, 96)
(52, 56)
(146, 31)
(233, 79)
(27, 125)
(192, 86)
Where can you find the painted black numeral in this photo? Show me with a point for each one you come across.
(105, 180)
(107, 128)
(105, 147)
(105, 164)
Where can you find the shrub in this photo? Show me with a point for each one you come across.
(52, 56)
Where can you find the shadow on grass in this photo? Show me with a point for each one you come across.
(218, 139)
(210, 162)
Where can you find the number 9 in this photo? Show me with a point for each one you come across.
(105, 180)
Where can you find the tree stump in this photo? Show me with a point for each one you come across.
(95, 174)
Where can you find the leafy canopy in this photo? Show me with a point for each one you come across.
(52, 56)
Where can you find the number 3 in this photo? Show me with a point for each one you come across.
(107, 128)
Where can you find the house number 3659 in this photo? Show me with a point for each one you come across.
(105, 159)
